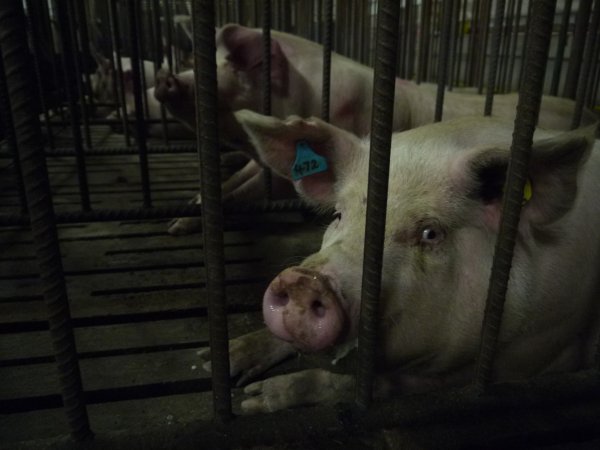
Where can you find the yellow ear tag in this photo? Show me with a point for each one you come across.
(527, 191)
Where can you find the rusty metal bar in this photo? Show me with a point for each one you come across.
(327, 34)
(443, 57)
(528, 107)
(577, 43)
(34, 19)
(586, 65)
(212, 214)
(15, 52)
(69, 70)
(140, 136)
(11, 139)
(388, 14)
(560, 47)
(118, 84)
(495, 55)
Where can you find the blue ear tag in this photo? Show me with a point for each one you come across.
(307, 162)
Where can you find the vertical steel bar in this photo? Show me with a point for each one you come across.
(388, 14)
(328, 23)
(586, 65)
(84, 39)
(76, 55)
(34, 19)
(443, 63)
(412, 42)
(139, 107)
(577, 43)
(593, 97)
(454, 55)
(45, 10)
(69, 71)
(424, 40)
(525, 41)
(15, 54)
(117, 72)
(487, 8)
(560, 47)
(11, 139)
(528, 107)
(169, 34)
(266, 79)
(461, 52)
(158, 60)
(495, 54)
(513, 51)
(505, 46)
(212, 214)
(471, 53)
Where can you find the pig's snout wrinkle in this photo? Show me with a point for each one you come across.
(300, 307)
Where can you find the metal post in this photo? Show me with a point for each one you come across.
(381, 137)
(443, 64)
(560, 47)
(139, 107)
(528, 107)
(495, 54)
(577, 43)
(15, 54)
(328, 19)
(266, 79)
(69, 71)
(212, 214)
(586, 65)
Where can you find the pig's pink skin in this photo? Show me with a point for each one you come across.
(434, 285)
(301, 306)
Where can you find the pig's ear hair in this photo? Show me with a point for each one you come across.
(553, 171)
(276, 141)
(245, 47)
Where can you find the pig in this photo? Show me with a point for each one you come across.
(102, 90)
(296, 77)
(443, 216)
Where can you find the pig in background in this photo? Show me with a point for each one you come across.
(443, 215)
(102, 81)
(296, 77)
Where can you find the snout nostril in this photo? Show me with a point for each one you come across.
(318, 308)
(280, 300)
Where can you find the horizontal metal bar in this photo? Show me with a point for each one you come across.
(557, 406)
(165, 212)
(112, 151)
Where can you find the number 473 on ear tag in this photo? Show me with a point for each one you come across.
(307, 162)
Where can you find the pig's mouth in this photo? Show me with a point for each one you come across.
(300, 306)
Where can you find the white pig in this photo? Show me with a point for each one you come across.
(296, 77)
(443, 213)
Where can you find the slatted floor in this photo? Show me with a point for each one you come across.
(137, 299)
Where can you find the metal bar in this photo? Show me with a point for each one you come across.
(266, 80)
(525, 41)
(111, 151)
(45, 10)
(33, 21)
(163, 212)
(424, 41)
(69, 70)
(139, 107)
(495, 55)
(328, 23)
(577, 43)
(84, 39)
(117, 75)
(513, 51)
(460, 52)
(10, 138)
(508, 34)
(454, 55)
(15, 52)
(487, 8)
(586, 65)
(528, 107)
(212, 214)
(158, 60)
(388, 14)
(443, 64)
(169, 34)
(470, 69)
(77, 66)
(560, 47)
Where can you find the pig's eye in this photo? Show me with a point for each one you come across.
(337, 216)
(431, 235)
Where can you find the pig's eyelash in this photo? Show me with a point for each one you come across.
(337, 215)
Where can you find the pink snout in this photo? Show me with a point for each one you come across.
(301, 307)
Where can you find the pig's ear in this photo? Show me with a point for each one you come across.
(245, 48)
(552, 179)
(277, 144)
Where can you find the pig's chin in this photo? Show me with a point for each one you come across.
(310, 326)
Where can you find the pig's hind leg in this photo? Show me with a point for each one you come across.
(252, 354)
(308, 387)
